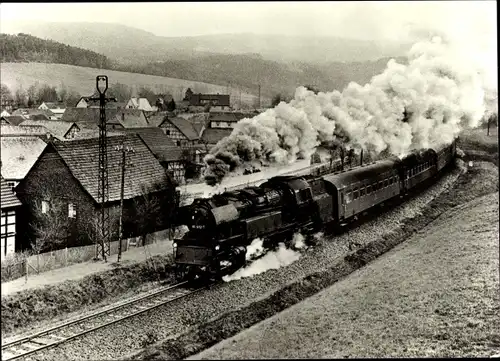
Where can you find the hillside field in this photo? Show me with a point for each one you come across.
(82, 80)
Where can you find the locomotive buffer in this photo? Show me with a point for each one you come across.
(103, 241)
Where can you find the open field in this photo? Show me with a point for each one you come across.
(82, 80)
(435, 295)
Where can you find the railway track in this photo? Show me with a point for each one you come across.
(69, 330)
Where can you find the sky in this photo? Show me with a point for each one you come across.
(360, 20)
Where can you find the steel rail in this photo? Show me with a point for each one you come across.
(31, 344)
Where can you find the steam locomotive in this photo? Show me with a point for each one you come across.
(223, 226)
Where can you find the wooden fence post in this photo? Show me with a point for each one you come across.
(25, 269)
(66, 257)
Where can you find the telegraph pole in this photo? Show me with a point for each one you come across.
(103, 245)
(122, 191)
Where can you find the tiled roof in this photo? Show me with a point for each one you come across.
(8, 198)
(129, 118)
(213, 135)
(31, 111)
(221, 99)
(184, 127)
(160, 144)
(156, 120)
(199, 121)
(38, 117)
(56, 127)
(88, 115)
(143, 168)
(7, 130)
(223, 117)
(19, 154)
(14, 119)
(54, 105)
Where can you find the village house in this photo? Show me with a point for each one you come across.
(57, 128)
(56, 108)
(180, 131)
(9, 205)
(19, 154)
(181, 162)
(215, 101)
(66, 174)
(139, 103)
(127, 118)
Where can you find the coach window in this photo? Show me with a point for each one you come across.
(348, 198)
(356, 194)
(380, 185)
(362, 192)
(368, 190)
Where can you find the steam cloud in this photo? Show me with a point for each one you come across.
(271, 260)
(426, 103)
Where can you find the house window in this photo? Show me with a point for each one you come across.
(45, 206)
(71, 210)
(168, 132)
(178, 143)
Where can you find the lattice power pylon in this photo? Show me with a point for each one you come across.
(103, 244)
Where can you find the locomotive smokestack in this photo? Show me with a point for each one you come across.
(361, 158)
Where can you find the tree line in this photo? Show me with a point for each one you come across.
(38, 93)
(26, 48)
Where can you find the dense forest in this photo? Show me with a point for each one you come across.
(27, 48)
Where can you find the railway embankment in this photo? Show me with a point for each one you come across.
(478, 179)
(226, 305)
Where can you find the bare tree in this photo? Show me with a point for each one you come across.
(93, 230)
(50, 225)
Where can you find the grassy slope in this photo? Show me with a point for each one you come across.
(435, 295)
(82, 80)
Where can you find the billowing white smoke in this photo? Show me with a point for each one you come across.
(442, 90)
(271, 260)
(255, 250)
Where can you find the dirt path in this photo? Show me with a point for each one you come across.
(80, 270)
(435, 295)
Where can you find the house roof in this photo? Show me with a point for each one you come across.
(88, 115)
(214, 135)
(14, 119)
(140, 103)
(19, 154)
(142, 166)
(160, 144)
(8, 198)
(185, 127)
(38, 117)
(221, 99)
(54, 105)
(56, 127)
(129, 118)
(7, 130)
(28, 112)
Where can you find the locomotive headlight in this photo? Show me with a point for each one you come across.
(217, 247)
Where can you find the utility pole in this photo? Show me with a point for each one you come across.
(240, 98)
(361, 158)
(103, 245)
(122, 191)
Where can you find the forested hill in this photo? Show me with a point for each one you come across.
(27, 48)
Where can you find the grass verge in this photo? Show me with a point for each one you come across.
(23, 308)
